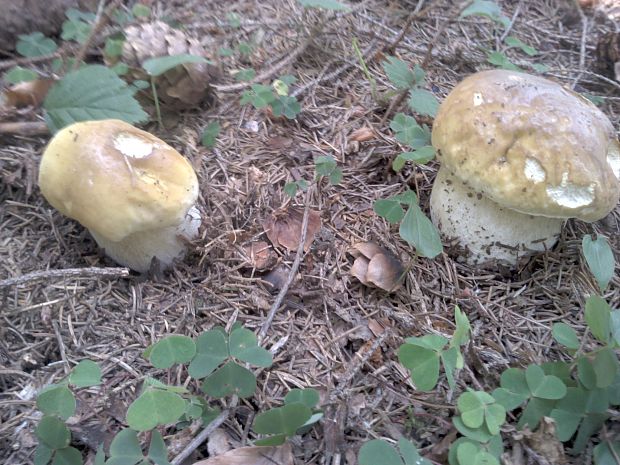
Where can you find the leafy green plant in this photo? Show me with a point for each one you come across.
(600, 259)
(35, 45)
(415, 227)
(78, 25)
(275, 96)
(324, 4)
(291, 188)
(325, 166)
(296, 416)
(210, 133)
(381, 452)
(19, 74)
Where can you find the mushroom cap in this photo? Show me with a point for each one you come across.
(530, 145)
(115, 179)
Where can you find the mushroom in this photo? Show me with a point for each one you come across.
(134, 193)
(519, 155)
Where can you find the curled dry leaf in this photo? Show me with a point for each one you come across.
(282, 455)
(544, 441)
(219, 443)
(375, 266)
(26, 94)
(362, 135)
(283, 228)
(260, 255)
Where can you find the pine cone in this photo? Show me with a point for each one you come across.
(608, 55)
(182, 87)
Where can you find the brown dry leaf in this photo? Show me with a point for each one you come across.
(283, 228)
(545, 442)
(376, 266)
(281, 455)
(362, 135)
(279, 142)
(219, 443)
(26, 94)
(260, 255)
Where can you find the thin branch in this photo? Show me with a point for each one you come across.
(66, 273)
(27, 128)
(291, 275)
(202, 437)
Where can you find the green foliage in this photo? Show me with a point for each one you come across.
(291, 188)
(422, 156)
(517, 43)
(77, 27)
(93, 92)
(378, 451)
(408, 132)
(210, 133)
(159, 65)
(85, 374)
(155, 407)
(140, 10)
(598, 318)
(113, 47)
(19, 74)
(502, 61)
(296, 415)
(486, 8)
(415, 227)
(325, 166)
(606, 453)
(400, 75)
(565, 335)
(274, 96)
(56, 400)
(324, 4)
(600, 259)
(35, 45)
(246, 74)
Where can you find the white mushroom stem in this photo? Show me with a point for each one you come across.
(484, 229)
(137, 250)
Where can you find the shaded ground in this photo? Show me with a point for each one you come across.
(326, 331)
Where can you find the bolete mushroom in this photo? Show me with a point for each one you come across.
(519, 155)
(134, 193)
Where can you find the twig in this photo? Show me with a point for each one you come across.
(417, 13)
(291, 275)
(66, 273)
(102, 18)
(512, 22)
(24, 128)
(439, 33)
(30, 60)
(582, 46)
(202, 436)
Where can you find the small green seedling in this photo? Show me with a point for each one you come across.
(325, 166)
(296, 416)
(210, 133)
(291, 188)
(381, 452)
(275, 96)
(600, 259)
(35, 45)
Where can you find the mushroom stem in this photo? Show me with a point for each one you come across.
(484, 229)
(137, 250)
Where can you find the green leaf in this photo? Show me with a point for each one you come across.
(286, 106)
(324, 4)
(428, 341)
(172, 349)
(282, 420)
(451, 360)
(159, 65)
(565, 335)
(113, 47)
(603, 454)
(613, 391)
(234, 20)
(586, 373)
(75, 29)
(259, 95)
(477, 434)
(67, 456)
(590, 425)
(225, 52)
(470, 453)
(410, 453)
(84, 374)
(42, 454)
(486, 8)
(276, 440)
(472, 409)
(422, 155)
(407, 198)
(153, 408)
(399, 73)
(418, 231)
(598, 317)
(245, 48)
(309, 397)
(76, 15)
(600, 259)
(378, 452)
(56, 400)
(595, 99)
(141, 11)
(246, 74)
(539, 68)
(19, 74)
(90, 93)
(228, 380)
(389, 209)
(210, 133)
(544, 386)
(157, 449)
(324, 165)
(501, 61)
(423, 364)
(494, 418)
(53, 432)
(280, 87)
(211, 350)
(335, 177)
(605, 366)
(120, 69)
(463, 328)
(423, 102)
(561, 370)
(534, 411)
(35, 45)
(407, 131)
(125, 449)
(515, 42)
(243, 345)
(614, 323)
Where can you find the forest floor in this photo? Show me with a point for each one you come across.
(331, 332)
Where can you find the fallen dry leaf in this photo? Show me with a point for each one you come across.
(219, 443)
(260, 255)
(362, 135)
(281, 455)
(376, 266)
(25, 94)
(544, 441)
(283, 228)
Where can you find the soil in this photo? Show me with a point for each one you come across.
(331, 332)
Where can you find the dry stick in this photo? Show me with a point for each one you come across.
(103, 16)
(582, 46)
(30, 60)
(440, 31)
(291, 275)
(66, 273)
(202, 436)
(24, 128)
